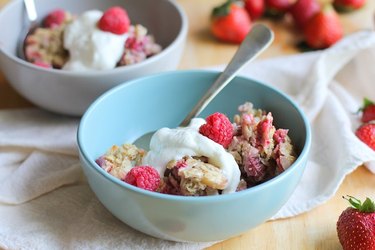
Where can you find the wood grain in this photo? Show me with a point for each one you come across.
(313, 230)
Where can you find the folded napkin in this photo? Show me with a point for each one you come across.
(45, 201)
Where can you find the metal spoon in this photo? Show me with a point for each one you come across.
(257, 40)
(28, 26)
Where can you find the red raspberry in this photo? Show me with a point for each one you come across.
(54, 18)
(115, 20)
(218, 128)
(145, 177)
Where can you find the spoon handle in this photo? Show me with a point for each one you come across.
(30, 10)
(257, 40)
(28, 25)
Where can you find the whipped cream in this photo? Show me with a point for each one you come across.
(89, 47)
(173, 144)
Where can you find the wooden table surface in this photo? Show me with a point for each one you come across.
(313, 230)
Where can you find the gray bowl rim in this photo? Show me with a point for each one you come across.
(225, 197)
(181, 36)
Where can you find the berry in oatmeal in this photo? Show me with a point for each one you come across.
(261, 151)
(114, 20)
(91, 41)
(218, 128)
(44, 46)
(193, 176)
(175, 144)
(55, 18)
(212, 156)
(145, 177)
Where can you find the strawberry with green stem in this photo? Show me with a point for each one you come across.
(368, 110)
(348, 5)
(230, 22)
(356, 225)
(277, 8)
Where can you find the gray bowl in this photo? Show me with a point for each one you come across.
(71, 92)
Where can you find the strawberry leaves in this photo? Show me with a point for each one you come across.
(222, 10)
(356, 225)
(368, 206)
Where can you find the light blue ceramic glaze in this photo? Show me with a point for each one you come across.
(139, 106)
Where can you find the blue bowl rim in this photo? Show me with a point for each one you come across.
(218, 198)
(181, 36)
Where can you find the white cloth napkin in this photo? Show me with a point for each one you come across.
(45, 202)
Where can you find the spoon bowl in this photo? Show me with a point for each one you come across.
(256, 41)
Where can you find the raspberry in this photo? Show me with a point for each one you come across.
(218, 128)
(54, 18)
(145, 177)
(115, 20)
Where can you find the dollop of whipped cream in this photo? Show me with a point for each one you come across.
(173, 144)
(89, 47)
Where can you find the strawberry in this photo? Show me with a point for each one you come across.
(366, 133)
(368, 110)
(230, 22)
(255, 8)
(348, 5)
(278, 8)
(323, 29)
(115, 20)
(356, 225)
(303, 10)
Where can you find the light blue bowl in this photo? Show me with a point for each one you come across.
(139, 106)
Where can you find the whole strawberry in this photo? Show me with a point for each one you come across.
(368, 110)
(230, 22)
(323, 29)
(356, 225)
(303, 10)
(366, 133)
(255, 8)
(348, 5)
